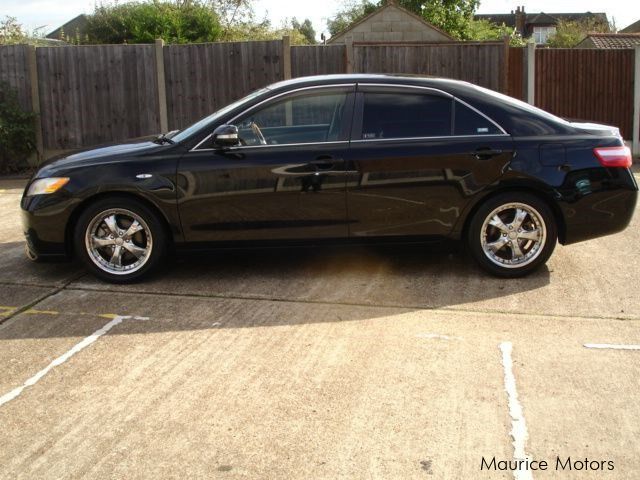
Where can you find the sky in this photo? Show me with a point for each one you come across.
(53, 13)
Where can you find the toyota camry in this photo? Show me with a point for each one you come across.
(340, 158)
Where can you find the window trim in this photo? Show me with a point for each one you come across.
(273, 99)
(356, 117)
(413, 139)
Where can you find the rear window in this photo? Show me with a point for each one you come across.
(470, 122)
(405, 115)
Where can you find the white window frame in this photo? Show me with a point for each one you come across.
(541, 34)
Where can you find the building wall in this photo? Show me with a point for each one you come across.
(391, 25)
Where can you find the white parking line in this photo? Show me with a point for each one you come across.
(63, 358)
(518, 425)
(611, 346)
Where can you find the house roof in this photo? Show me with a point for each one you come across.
(612, 40)
(509, 19)
(70, 28)
(390, 4)
(633, 28)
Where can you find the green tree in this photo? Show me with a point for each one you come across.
(306, 30)
(143, 22)
(569, 34)
(11, 31)
(238, 19)
(484, 30)
(353, 11)
(452, 16)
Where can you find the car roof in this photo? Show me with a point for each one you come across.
(403, 79)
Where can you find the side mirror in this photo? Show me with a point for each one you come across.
(226, 136)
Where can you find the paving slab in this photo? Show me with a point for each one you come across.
(14, 297)
(582, 404)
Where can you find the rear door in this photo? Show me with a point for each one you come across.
(417, 156)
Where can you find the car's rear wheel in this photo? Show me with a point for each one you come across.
(512, 234)
(119, 239)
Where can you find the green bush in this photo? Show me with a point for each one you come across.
(143, 22)
(17, 132)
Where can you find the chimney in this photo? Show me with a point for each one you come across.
(520, 20)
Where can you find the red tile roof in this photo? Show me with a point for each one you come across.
(613, 40)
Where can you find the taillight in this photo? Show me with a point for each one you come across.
(613, 156)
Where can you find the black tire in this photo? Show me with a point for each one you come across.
(151, 238)
(505, 261)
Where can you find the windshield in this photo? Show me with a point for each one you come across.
(187, 132)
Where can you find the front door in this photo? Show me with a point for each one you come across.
(286, 180)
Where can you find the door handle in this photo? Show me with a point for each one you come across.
(325, 162)
(486, 153)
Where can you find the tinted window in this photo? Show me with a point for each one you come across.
(469, 122)
(309, 118)
(405, 115)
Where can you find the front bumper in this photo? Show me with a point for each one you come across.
(44, 222)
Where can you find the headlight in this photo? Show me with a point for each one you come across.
(43, 186)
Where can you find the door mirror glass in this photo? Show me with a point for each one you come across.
(225, 136)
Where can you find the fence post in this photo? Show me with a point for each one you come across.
(35, 104)
(162, 87)
(286, 57)
(636, 103)
(349, 54)
(531, 73)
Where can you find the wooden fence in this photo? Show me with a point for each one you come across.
(586, 84)
(203, 78)
(14, 71)
(93, 94)
(318, 60)
(515, 75)
(482, 64)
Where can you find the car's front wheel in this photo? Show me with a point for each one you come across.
(512, 234)
(119, 239)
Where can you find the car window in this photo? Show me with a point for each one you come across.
(470, 122)
(308, 118)
(187, 132)
(405, 115)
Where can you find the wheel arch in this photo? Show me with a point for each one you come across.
(528, 188)
(82, 206)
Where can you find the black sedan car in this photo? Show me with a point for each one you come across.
(340, 158)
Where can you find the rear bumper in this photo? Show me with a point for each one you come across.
(598, 208)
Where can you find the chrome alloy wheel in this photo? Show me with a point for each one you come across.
(118, 241)
(513, 235)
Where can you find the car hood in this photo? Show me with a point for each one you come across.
(100, 154)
